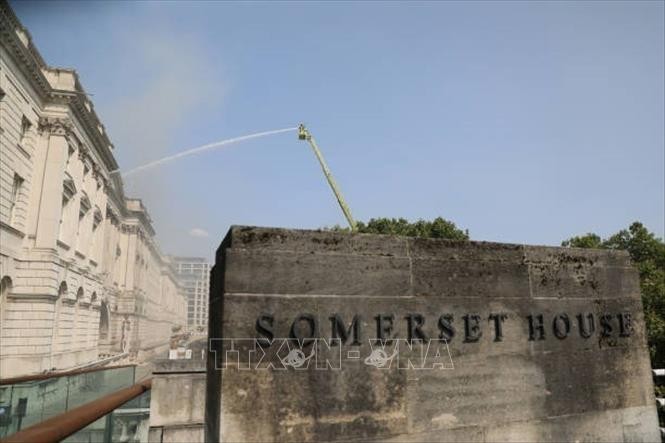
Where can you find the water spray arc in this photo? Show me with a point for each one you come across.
(199, 149)
(303, 134)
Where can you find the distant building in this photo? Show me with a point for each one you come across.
(194, 276)
(81, 275)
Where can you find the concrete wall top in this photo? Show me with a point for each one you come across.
(393, 265)
(324, 241)
(480, 341)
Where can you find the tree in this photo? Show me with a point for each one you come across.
(437, 228)
(648, 254)
(585, 241)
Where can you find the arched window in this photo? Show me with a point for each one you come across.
(62, 291)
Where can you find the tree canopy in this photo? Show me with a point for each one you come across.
(648, 254)
(437, 228)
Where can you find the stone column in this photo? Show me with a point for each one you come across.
(50, 204)
(39, 164)
(132, 234)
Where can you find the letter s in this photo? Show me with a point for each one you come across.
(264, 326)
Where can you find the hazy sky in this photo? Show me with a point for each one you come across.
(524, 122)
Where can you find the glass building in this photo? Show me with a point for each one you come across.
(194, 276)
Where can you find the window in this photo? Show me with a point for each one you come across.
(84, 207)
(68, 192)
(16, 194)
(65, 201)
(83, 229)
(97, 219)
(62, 233)
(25, 128)
(68, 188)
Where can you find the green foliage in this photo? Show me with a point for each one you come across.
(648, 254)
(585, 241)
(437, 228)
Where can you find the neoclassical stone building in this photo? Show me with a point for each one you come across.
(81, 275)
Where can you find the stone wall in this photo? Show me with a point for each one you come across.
(177, 401)
(524, 343)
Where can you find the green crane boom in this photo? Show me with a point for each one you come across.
(303, 134)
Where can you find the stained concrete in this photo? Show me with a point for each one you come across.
(177, 401)
(568, 384)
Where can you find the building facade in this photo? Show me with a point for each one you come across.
(81, 275)
(194, 276)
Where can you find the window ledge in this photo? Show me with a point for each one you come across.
(12, 229)
(22, 150)
(63, 245)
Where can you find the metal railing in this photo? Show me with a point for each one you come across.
(660, 401)
(28, 400)
(49, 375)
(64, 425)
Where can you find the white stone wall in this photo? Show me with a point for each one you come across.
(153, 303)
(70, 241)
(17, 158)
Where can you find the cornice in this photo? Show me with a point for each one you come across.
(29, 61)
(84, 154)
(116, 194)
(31, 64)
(99, 176)
(144, 219)
(91, 124)
(88, 119)
(145, 236)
